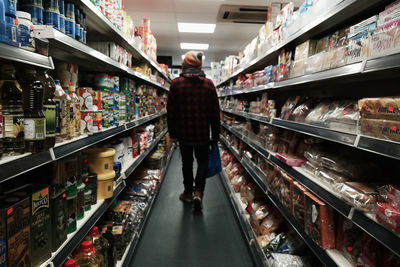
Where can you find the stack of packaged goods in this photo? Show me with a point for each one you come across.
(148, 41)
(279, 243)
(113, 51)
(352, 180)
(370, 38)
(106, 243)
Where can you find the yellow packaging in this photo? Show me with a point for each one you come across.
(105, 185)
(100, 160)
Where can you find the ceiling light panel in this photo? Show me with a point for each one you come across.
(194, 46)
(196, 27)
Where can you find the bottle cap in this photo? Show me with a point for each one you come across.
(70, 263)
(94, 231)
(86, 247)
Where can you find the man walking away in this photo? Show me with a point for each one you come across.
(193, 109)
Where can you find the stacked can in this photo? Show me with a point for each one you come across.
(61, 6)
(70, 19)
(51, 13)
(33, 7)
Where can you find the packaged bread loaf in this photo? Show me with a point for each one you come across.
(361, 196)
(386, 108)
(384, 129)
(330, 177)
(319, 223)
(269, 224)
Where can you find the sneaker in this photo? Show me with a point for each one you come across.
(197, 201)
(186, 197)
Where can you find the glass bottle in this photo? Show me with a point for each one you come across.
(70, 118)
(111, 251)
(80, 199)
(13, 116)
(34, 119)
(49, 106)
(62, 112)
(85, 255)
(77, 111)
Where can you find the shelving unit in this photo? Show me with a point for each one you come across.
(130, 250)
(101, 25)
(91, 217)
(378, 146)
(14, 166)
(328, 195)
(19, 55)
(237, 206)
(63, 47)
(332, 19)
(320, 253)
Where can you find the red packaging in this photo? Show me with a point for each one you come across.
(97, 124)
(291, 161)
(97, 101)
(87, 122)
(319, 224)
(86, 98)
(394, 196)
(298, 202)
(388, 216)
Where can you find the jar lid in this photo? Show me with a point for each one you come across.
(86, 247)
(70, 263)
(23, 15)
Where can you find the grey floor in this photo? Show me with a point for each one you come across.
(174, 236)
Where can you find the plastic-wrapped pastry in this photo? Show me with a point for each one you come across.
(361, 196)
(329, 176)
(301, 111)
(388, 216)
(269, 224)
(264, 240)
(284, 260)
(237, 182)
(384, 129)
(387, 108)
(289, 106)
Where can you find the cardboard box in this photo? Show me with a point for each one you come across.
(319, 223)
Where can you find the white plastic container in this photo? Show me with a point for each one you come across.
(25, 31)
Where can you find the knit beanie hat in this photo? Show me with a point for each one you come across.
(193, 59)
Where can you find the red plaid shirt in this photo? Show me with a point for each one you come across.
(193, 109)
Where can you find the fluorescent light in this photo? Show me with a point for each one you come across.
(183, 57)
(194, 46)
(196, 27)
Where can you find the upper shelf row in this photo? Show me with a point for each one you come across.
(344, 13)
(63, 47)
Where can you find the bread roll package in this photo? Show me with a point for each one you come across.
(298, 202)
(359, 195)
(387, 108)
(269, 224)
(319, 223)
(383, 129)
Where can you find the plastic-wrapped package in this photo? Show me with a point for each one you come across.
(311, 168)
(293, 244)
(386, 39)
(289, 106)
(298, 202)
(298, 68)
(386, 108)
(393, 196)
(305, 50)
(301, 111)
(318, 115)
(237, 182)
(269, 224)
(361, 196)
(319, 223)
(285, 191)
(388, 216)
(384, 129)
(274, 244)
(350, 239)
(264, 240)
(329, 176)
(284, 66)
(293, 161)
(284, 260)
(260, 78)
(344, 116)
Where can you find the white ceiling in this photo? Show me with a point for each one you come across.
(228, 38)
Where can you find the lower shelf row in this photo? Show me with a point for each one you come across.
(333, 239)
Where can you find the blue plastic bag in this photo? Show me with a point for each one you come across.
(214, 161)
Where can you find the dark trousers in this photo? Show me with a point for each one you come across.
(201, 153)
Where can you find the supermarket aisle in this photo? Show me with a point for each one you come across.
(174, 236)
